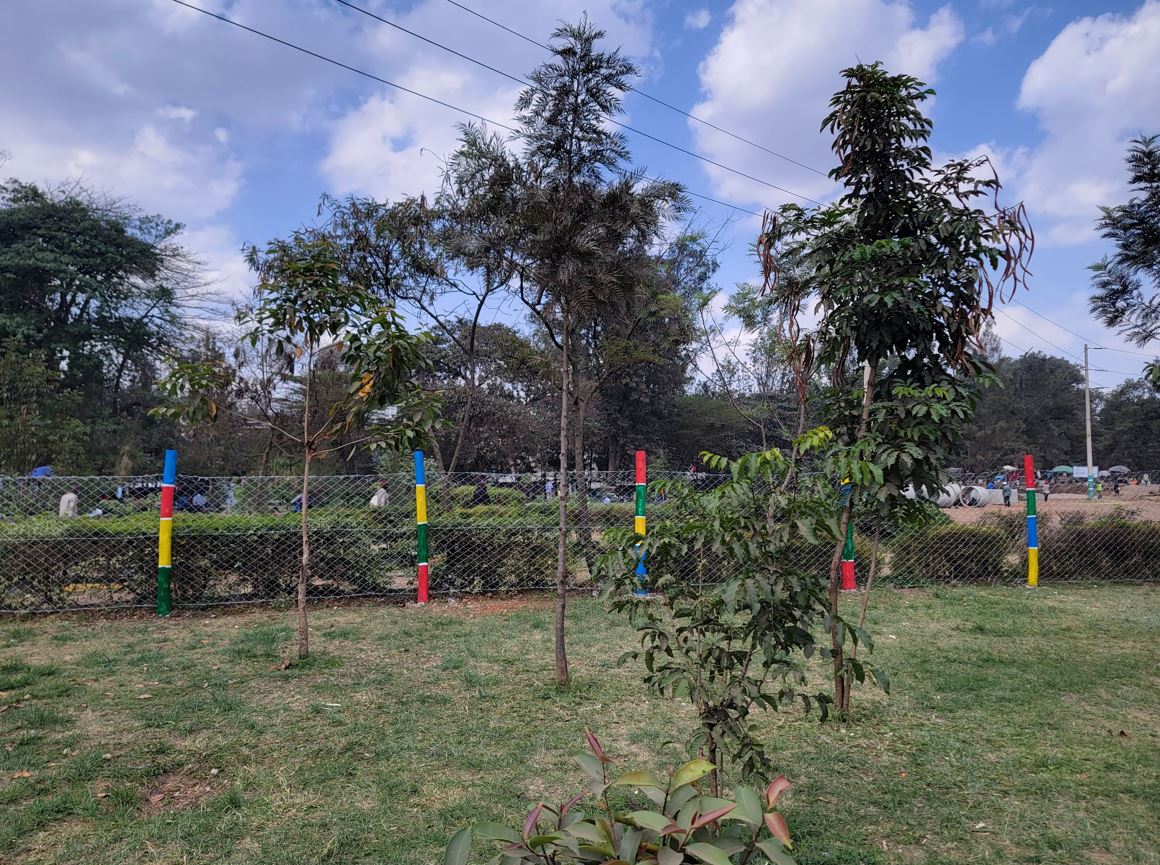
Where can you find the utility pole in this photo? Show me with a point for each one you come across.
(1087, 410)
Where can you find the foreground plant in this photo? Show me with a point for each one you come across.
(736, 595)
(682, 824)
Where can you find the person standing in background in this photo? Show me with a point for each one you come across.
(68, 504)
(1006, 493)
(381, 497)
(1046, 487)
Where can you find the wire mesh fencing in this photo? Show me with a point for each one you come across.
(71, 543)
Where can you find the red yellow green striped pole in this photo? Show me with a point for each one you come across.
(421, 526)
(639, 523)
(1032, 527)
(165, 535)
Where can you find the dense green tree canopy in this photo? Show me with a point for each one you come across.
(1126, 284)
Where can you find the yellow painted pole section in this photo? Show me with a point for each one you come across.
(420, 504)
(165, 543)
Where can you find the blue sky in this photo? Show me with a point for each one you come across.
(237, 137)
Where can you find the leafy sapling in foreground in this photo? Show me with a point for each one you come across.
(679, 824)
(736, 597)
(348, 356)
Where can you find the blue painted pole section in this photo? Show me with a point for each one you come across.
(169, 470)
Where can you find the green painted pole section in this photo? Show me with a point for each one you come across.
(164, 593)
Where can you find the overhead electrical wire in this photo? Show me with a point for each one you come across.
(1080, 335)
(408, 90)
(624, 126)
(648, 96)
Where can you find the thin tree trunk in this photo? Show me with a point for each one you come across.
(304, 565)
(562, 502)
(841, 683)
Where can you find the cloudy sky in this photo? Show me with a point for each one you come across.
(237, 136)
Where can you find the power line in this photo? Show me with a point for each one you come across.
(614, 122)
(408, 90)
(650, 97)
(1036, 335)
(1080, 335)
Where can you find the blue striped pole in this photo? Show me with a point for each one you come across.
(165, 535)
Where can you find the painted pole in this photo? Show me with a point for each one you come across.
(421, 526)
(847, 571)
(1032, 527)
(639, 523)
(848, 583)
(165, 535)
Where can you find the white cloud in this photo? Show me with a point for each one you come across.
(698, 19)
(392, 144)
(179, 177)
(1096, 85)
(221, 252)
(986, 37)
(177, 112)
(774, 68)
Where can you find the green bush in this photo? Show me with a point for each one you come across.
(48, 563)
(461, 496)
(1116, 547)
(951, 554)
(492, 558)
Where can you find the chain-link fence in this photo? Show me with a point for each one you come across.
(91, 542)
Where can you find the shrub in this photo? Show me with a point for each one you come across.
(1115, 547)
(673, 823)
(473, 558)
(461, 496)
(951, 553)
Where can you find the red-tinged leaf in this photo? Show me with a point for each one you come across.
(594, 744)
(778, 827)
(533, 816)
(716, 814)
(570, 804)
(776, 787)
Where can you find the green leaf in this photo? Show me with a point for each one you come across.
(630, 844)
(459, 848)
(650, 820)
(639, 779)
(497, 832)
(748, 806)
(669, 856)
(708, 853)
(692, 771)
(775, 852)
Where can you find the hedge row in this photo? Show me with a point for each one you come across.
(55, 564)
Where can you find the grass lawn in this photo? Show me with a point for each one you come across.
(1022, 728)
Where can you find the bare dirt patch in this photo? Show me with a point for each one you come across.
(1142, 500)
(174, 791)
(496, 605)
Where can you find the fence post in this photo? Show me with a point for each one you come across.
(165, 535)
(848, 582)
(1032, 527)
(421, 526)
(639, 522)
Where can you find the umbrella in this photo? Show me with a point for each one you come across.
(1062, 470)
(1119, 470)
